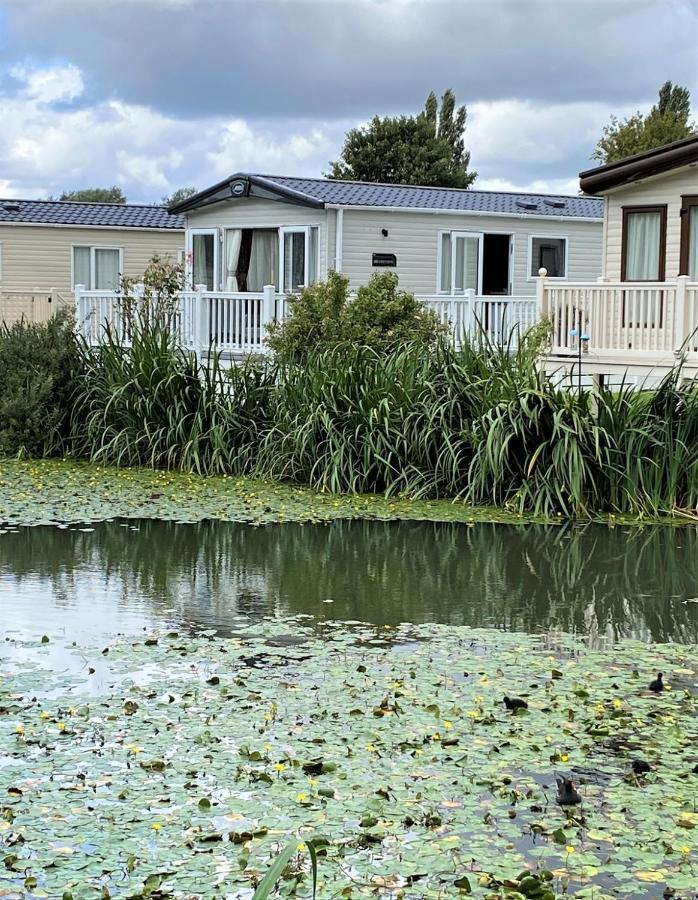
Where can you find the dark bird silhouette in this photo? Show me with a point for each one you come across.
(567, 794)
(640, 766)
(513, 703)
(657, 685)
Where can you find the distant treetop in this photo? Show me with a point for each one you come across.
(95, 195)
(426, 149)
(667, 121)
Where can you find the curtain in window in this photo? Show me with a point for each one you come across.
(202, 250)
(263, 260)
(693, 243)
(642, 246)
(107, 277)
(81, 267)
(445, 263)
(233, 242)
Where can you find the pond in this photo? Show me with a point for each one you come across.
(600, 582)
(181, 702)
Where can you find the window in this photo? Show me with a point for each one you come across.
(548, 253)
(299, 257)
(97, 268)
(250, 259)
(459, 262)
(689, 238)
(643, 248)
(204, 256)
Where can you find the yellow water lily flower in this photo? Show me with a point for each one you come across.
(370, 748)
(300, 798)
(569, 849)
(448, 725)
(156, 826)
(301, 848)
(279, 767)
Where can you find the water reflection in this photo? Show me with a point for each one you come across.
(118, 576)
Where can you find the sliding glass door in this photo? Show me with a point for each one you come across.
(461, 255)
(299, 257)
(204, 257)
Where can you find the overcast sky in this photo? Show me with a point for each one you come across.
(155, 94)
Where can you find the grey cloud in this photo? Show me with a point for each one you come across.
(328, 60)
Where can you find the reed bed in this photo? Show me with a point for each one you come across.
(479, 423)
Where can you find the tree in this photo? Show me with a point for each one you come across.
(426, 149)
(95, 195)
(667, 121)
(178, 196)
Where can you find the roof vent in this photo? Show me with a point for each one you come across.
(8, 206)
(526, 204)
(557, 204)
(238, 188)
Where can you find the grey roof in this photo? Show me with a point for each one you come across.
(322, 191)
(69, 212)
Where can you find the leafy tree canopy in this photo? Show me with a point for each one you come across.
(96, 195)
(667, 121)
(426, 149)
(181, 194)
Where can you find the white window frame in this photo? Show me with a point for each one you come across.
(456, 233)
(189, 255)
(298, 229)
(92, 248)
(548, 237)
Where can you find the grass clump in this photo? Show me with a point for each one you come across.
(478, 422)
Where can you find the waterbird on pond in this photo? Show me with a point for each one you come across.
(657, 685)
(640, 766)
(567, 794)
(513, 703)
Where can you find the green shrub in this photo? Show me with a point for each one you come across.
(39, 365)
(379, 316)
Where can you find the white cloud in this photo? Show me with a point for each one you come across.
(50, 85)
(45, 149)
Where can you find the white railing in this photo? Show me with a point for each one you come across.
(227, 321)
(626, 320)
(236, 322)
(502, 318)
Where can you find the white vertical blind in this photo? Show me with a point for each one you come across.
(107, 276)
(81, 267)
(642, 246)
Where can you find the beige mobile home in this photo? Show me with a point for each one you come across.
(642, 315)
(47, 247)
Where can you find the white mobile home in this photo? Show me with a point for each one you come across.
(252, 230)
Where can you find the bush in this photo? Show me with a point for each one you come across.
(380, 317)
(39, 366)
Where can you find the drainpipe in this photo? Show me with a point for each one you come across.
(338, 240)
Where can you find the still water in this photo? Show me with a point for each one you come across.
(91, 583)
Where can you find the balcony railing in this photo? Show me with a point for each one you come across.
(236, 322)
(622, 321)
